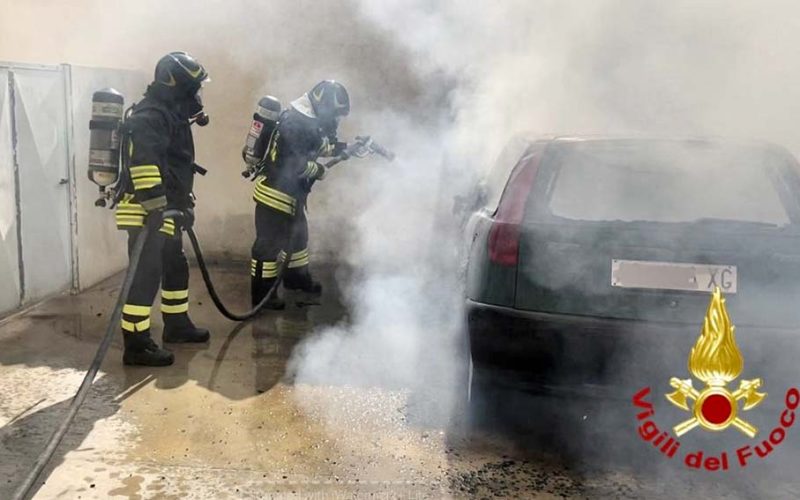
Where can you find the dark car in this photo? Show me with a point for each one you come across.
(591, 259)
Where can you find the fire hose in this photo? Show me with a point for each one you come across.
(201, 263)
(24, 489)
(44, 457)
(363, 147)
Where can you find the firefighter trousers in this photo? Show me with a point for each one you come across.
(162, 263)
(274, 233)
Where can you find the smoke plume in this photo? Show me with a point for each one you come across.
(680, 68)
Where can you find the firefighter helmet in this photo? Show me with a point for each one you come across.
(330, 100)
(180, 73)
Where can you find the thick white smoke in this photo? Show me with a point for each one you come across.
(570, 66)
(608, 67)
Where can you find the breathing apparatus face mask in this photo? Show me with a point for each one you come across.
(192, 108)
(330, 125)
(190, 104)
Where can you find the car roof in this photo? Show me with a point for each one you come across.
(565, 138)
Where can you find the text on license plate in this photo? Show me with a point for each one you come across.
(672, 276)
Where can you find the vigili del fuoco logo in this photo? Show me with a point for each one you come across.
(715, 360)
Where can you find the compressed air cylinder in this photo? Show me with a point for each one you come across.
(104, 139)
(265, 119)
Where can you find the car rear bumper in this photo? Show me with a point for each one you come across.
(587, 355)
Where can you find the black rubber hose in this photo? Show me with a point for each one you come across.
(201, 263)
(24, 489)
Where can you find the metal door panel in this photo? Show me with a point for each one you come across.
(42, 159)
(9, 256)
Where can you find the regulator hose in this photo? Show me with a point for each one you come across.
(46, 455)
(201, 263)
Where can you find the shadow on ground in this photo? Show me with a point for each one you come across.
(58, 338)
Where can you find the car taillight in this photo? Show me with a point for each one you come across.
(504, 234)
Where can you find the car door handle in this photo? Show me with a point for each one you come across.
(63, 181)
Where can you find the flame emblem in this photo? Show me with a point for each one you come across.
(716, 360)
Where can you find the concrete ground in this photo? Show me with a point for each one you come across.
(227, 421)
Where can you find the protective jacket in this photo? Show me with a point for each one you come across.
(160, 159)
(299, 140)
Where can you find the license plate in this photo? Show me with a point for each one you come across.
(672, 276)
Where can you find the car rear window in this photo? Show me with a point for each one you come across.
(495, 182)
(665, 181)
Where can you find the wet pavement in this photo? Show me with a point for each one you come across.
(227, 420)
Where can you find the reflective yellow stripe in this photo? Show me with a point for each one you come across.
(175, 294)
(145, 170)
(176, 309)
(273, 153)
(277, 205)
(299, 259)
(146, 178)
(264, 191)
(168, 226)
(121, 224)
(141, 326)
(129, 213)
(300, 254)
(274, 193)
(130, 219)
(127, 205)
(270, 269)
(149, 173)
(268, 200)
(132, 209)
(136, 310)
(146, 183)
(299, 263)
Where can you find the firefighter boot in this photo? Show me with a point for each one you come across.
(179, 329)
(301, 281)
(259, 288)
(141, 350)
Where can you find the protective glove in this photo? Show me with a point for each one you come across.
(183, 219)
(313, 171)
(340, 149)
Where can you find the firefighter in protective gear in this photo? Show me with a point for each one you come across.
(307, 131)
(159, 177)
